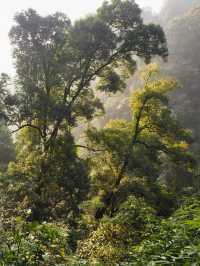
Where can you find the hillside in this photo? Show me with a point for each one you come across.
(99, 138)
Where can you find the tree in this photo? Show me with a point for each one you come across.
(175, 241)
(110, 242)
(57, 63)
(56, 195)
(126, 150)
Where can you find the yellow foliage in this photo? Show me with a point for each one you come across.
(117, 123)
(149, 71)
(153, 87)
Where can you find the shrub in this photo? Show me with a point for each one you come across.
(34, 244)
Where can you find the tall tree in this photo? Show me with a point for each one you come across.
(127, 150)
(57, 63)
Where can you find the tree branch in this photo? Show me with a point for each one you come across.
(28, 125)
(88, 148)
(136, 131)
(81, 86)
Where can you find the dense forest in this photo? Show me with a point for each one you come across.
(99, 138)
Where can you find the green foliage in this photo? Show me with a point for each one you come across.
(110, 242)
(126, 151)
(110, 82)
(58, 193)
(121, 201)
(176, 241)
(56, 61)
(24, 243)
(57, 64)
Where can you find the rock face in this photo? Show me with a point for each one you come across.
(183, 34)
(177, 8)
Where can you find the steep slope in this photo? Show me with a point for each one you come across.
(183, 34)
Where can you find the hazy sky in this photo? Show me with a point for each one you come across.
(73, 8)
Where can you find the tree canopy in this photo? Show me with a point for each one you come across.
(57, 64)
(77, 189)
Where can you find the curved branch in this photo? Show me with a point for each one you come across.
(28, 125)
